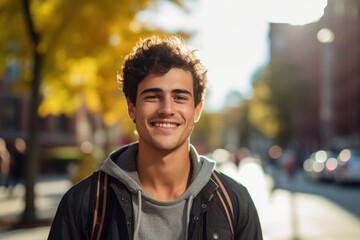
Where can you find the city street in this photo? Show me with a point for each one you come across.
(295, 209)
(312, 210)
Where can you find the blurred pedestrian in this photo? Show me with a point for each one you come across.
(4, 163)
(159, 187)
(289, 163)
(17, 163)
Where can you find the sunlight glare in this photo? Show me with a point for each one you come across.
(232, 36)
(295, 12)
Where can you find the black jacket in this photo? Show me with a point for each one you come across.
(74, 216)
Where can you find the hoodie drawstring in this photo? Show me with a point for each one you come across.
(188, 211)
(137, 226)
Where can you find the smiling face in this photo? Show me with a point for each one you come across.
(165, 113)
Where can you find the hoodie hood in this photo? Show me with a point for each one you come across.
(121, 164)
(174, 216)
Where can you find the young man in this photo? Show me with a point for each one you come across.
(159, 187)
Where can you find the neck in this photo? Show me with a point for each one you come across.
(164, 175)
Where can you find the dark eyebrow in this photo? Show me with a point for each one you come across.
(182, 91)
(151, 90)
(157, 90)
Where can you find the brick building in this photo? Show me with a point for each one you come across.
(328, 53)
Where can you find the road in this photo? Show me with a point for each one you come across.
(346, 196)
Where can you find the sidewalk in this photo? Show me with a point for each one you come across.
(287, 215)
(295, 215)
(49, 191)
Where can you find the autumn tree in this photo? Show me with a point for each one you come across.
(69, 52)
(280, 96)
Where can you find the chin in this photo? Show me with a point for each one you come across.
(169, 147)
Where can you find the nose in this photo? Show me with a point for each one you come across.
(166, 107)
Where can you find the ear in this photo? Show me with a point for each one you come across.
(131, 109)
(198, 110)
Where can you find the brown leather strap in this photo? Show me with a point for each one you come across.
(229, 209)
(100, 206)
(101, 224)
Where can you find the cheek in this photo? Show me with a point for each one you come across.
(144, 112)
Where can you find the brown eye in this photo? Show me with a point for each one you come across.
(180, 98)
(151, 98)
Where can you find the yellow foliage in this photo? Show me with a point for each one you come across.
(262, 91)
(83, 72)
(42, 11)
(92, 100)
(83, 45)
(262, 115)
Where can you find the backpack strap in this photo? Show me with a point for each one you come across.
(99, 188)
(225, 200)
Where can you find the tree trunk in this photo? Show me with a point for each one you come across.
(31, 164)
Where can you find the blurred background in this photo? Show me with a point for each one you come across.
(281, 116)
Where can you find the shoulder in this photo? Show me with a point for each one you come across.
(240, 197)
(245, 214)
(73, 212)
(234, 188)
(76, 199)
(80, 189)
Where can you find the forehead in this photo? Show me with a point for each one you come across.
(174, 79)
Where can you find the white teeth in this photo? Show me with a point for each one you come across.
(165, 125)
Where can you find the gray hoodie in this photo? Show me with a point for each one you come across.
(155, 219)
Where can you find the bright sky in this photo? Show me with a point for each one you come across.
(232, 36)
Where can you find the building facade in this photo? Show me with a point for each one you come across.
(328, 54)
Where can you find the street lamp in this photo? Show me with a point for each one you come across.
(326, 37)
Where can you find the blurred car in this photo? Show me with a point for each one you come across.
(348, 170)
(321, 165)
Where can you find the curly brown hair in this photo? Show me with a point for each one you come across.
(159, 55)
